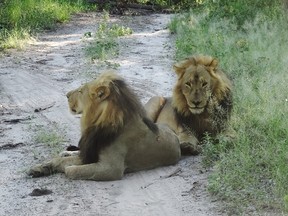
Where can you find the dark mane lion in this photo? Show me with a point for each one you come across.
(117, 137)
(123, 102)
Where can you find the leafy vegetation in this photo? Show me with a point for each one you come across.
(105, 44)
(252, 171)
(22, 18)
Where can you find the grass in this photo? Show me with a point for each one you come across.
(252, 171)
(21, 19)
(52, 139)
(105, 42)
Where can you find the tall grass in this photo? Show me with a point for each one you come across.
(20, 18)
(253, 172)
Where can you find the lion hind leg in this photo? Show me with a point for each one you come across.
(99, 171)
(154, 106)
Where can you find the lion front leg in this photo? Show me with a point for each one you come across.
(55, 165)
(100, 171)
(189, 144)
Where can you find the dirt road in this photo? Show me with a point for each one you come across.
(34, 113)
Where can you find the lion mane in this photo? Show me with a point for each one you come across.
(116, 135)
(101, 129)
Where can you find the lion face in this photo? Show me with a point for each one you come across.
(104, 102)
(90, 94)
(196, 88)
(74, 101)
(198, 81)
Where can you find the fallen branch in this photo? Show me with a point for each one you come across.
(10, 145)
(45, 107)
(128, 5)
(174, 173)
(146, 7)
(16, 120)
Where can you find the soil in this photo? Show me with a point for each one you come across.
(33, 106)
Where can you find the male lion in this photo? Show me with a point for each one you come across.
(116, 135)
(201, 102)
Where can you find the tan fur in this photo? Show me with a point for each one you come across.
(201, 102)
(139, 144)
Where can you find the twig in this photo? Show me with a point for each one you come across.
(45, 107)
(10, 145)
(129, 5)
(174, 173)
(16, 120)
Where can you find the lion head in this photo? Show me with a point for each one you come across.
(104, 102)
(106, 105)
(74, 102)
(199, 83)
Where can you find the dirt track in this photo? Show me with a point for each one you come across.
(39, 77)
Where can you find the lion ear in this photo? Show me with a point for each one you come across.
(179, 69)
(214, 64)
(181, 66)
(101, 92)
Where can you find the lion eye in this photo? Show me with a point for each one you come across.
(100, 94)
(188, 84)
(204, 84)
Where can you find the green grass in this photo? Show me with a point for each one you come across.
(105, 42)
(20, 19)
(52, 139)
(241, 11)
(252, 171)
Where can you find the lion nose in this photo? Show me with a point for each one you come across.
(196, 103)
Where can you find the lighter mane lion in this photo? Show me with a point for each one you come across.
(117, 137)
(201, 102)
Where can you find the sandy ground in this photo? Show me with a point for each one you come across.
(38, 78)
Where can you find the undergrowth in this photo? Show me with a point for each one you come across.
(252, 171)
(21, 19)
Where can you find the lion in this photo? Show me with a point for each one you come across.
(116, 135)
(201, 102)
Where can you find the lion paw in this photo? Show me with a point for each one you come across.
(190, 149)
(39, 171)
